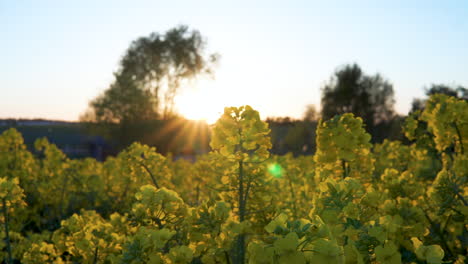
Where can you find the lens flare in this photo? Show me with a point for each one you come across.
(275, 170)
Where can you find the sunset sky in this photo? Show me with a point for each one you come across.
(55, 56)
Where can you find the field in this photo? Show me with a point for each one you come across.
(350, 202)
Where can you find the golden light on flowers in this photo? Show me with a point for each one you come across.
(224, 206)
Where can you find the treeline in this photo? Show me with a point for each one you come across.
(350, 90)
(175, 135)
(139, 103)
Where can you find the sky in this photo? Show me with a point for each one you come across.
(56, 56)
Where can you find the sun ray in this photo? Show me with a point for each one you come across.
(200, 104)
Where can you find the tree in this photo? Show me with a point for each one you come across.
(310, 114)
(294, 135)
(161, 63)
(122, 103)
(370, 97)
(150, 74)
(455, 91)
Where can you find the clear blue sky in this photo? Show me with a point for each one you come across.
(57, 55)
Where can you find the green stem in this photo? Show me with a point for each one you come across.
(462, 199)
(440, 234)
(197, 195)
(242, 206)
(293, 196)
(246, 195)
(460, 139)
(62, 195)
(153, 179)
(123, 194)
(9, 260)
(345, 168)
(95, 260)
(302, 244)
(241, 192)
(228, 261)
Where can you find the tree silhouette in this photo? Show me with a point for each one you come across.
(150, 75)
(122, 103)
(456, 91)
(351, 91)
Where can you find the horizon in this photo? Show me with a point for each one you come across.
(274, 56)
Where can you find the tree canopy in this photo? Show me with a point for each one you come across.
(122, 103)
(455, 91)
(149, 76)
(138, 105)
(349, 90)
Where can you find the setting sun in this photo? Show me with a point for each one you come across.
(199, 104)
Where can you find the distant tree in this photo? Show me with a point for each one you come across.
(300, 138)
(369, 96)
(310, 113)
(122, 103)
(283, 120)
(456, 91)
(160, 64)
(294, 135)
(417, 104)
(149, 76)
(297, 138)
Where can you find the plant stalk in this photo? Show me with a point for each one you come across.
(9, 259)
